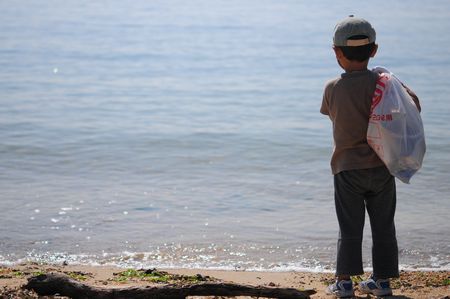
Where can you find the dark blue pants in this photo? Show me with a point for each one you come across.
(355, 191)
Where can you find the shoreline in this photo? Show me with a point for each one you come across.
(412, 284)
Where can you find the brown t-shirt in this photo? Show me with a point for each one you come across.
(347, 101)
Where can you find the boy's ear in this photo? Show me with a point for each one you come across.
(338, 52)
(374, 51)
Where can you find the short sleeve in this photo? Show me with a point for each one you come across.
(325, 108)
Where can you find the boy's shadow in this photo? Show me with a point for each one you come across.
(383, 297)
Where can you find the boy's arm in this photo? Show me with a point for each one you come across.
(413, 96)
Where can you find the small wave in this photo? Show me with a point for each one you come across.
(145, 260)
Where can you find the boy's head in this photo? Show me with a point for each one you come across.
(355, 39)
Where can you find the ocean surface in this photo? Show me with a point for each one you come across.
(188, 134)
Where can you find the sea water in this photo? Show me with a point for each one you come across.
(188, 133)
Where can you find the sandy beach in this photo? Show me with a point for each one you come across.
(412, 284)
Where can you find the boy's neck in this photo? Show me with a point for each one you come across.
(355, 66)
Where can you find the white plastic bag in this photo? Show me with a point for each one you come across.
(395, 129)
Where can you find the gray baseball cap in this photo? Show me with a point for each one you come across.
(350, 27)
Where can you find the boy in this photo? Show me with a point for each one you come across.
(361, 181)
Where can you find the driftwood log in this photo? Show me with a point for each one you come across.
(55, 283)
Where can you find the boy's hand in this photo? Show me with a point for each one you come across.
(413, 96)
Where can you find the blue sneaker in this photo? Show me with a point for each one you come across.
(377, 287)
(341, 289)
